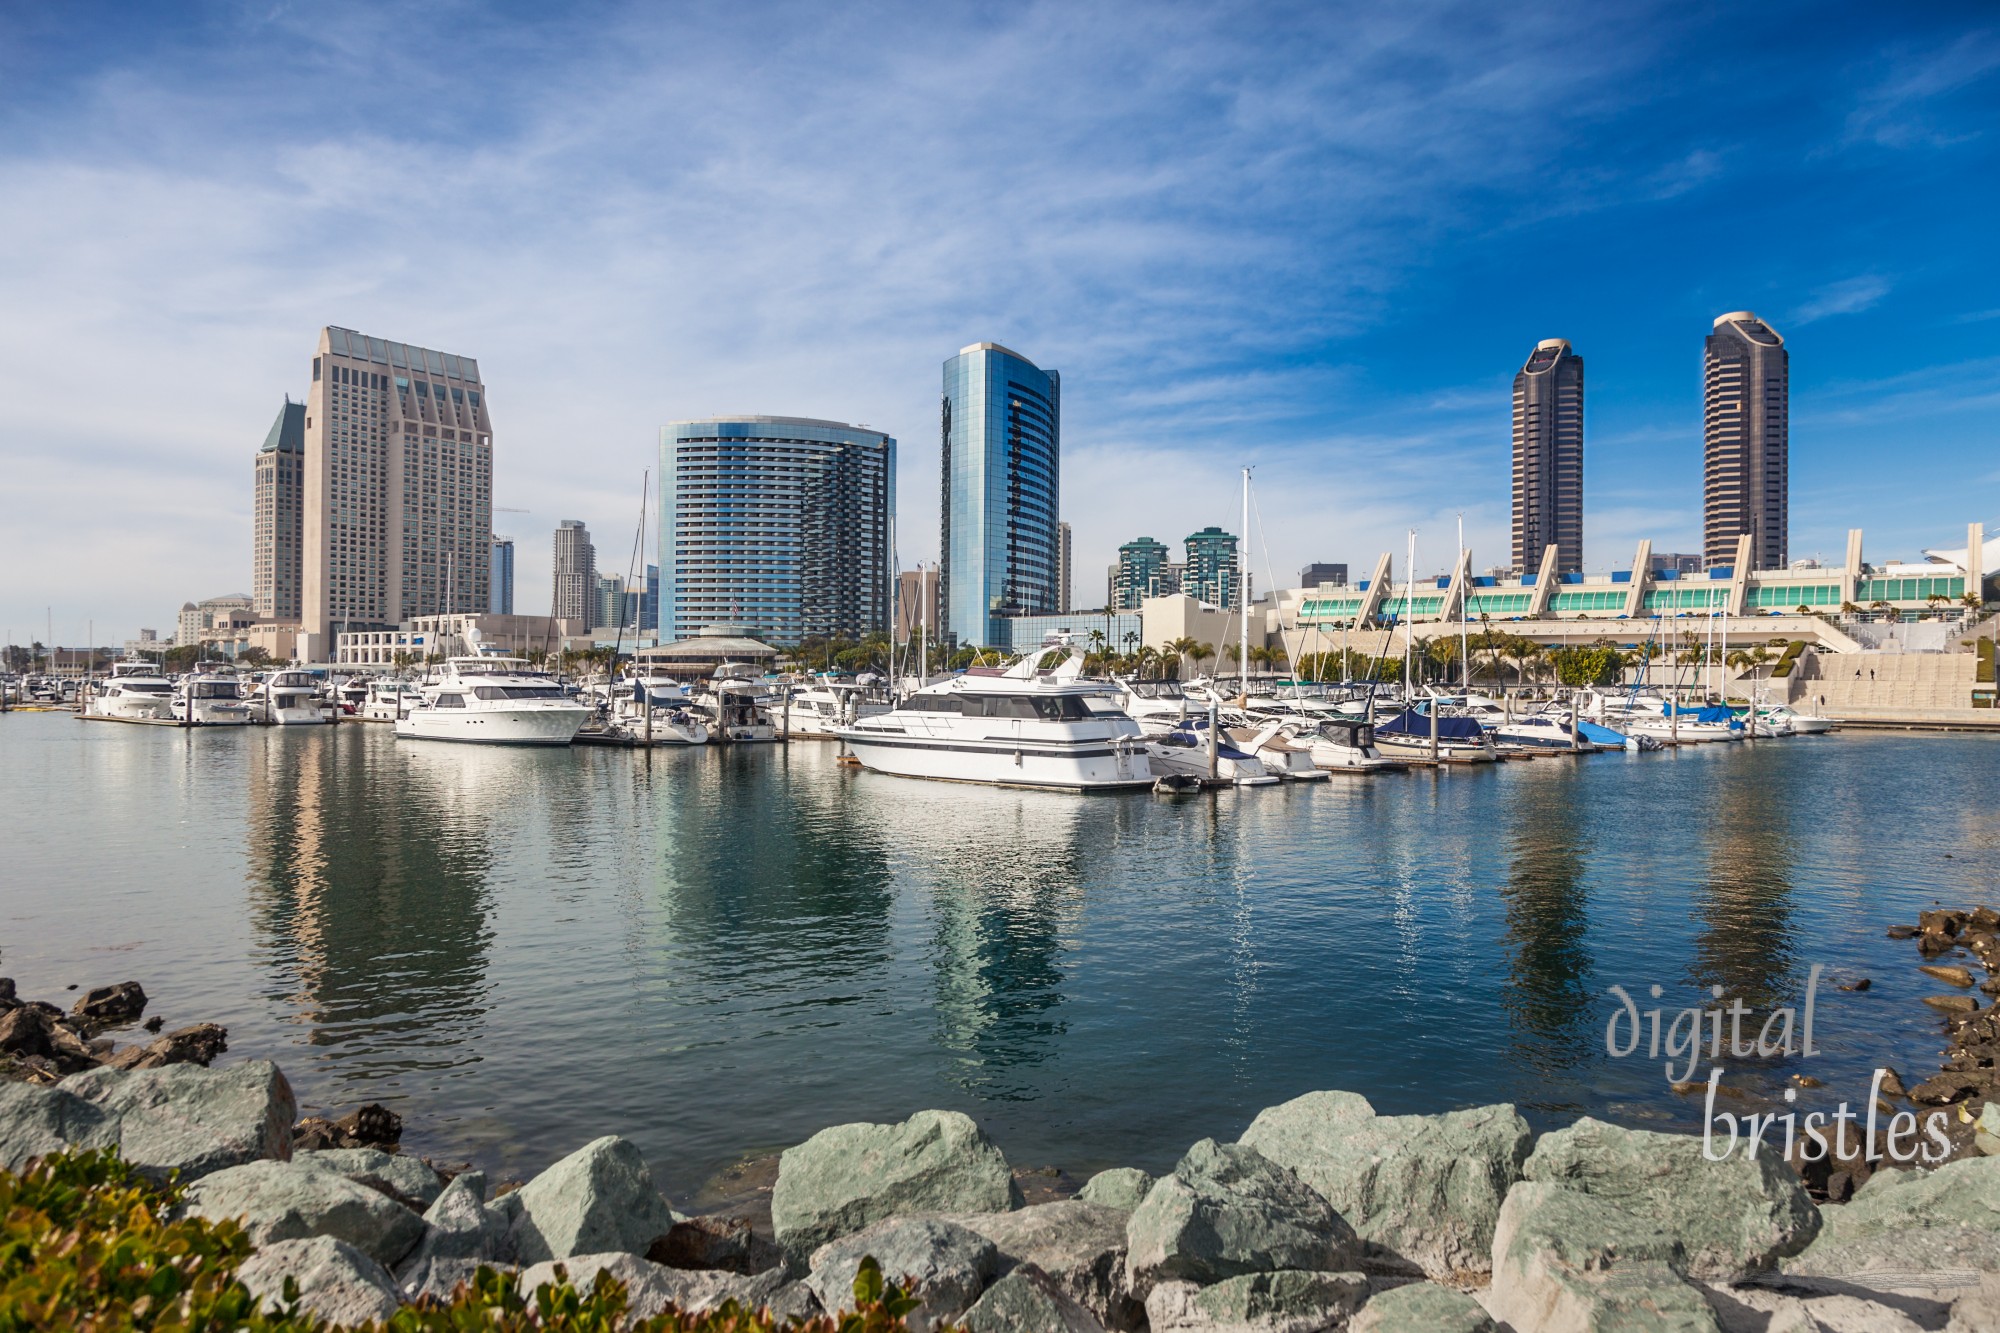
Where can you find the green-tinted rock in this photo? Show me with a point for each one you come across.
(402, 1178)
(192, 1119)
(597, 1200)
(1426, 1188)
(847, 1177)
(1904, 1223)
(1286, 1301)
(1422, 1307)
(1028, 1301)
(1121, 1187)
(1733, 1218)
(947, 1264)
(36, 1121)
(1568, 1262)
(335, 1281)
(1228, 1210)
(281, 1201)
(1079, 1246)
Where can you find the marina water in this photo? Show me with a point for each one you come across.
(717, 951)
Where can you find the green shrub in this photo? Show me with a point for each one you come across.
(1788, 659)
(1984, 673)
(87, 1243)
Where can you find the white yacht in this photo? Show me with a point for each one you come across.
(739, 706)
(1022, 727)
(135, 692)
(650, 705)
(290, 698)
(1276, 741)
(388, 699)
(820, 710)
(1800, 724)
(493, 701)
(1183, 752)
(1158, 706)
(210, 697)
(1539, 731)
(1347, 745)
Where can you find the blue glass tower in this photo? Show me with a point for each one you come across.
(777, 523)
(1002, 468)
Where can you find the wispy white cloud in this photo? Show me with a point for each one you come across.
(1849, 296)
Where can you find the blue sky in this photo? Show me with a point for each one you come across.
(1316, 238)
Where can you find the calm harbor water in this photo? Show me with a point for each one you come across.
(718, 952)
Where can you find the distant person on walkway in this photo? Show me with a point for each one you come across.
(1871, 673)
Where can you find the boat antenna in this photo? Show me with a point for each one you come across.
(1243, 601)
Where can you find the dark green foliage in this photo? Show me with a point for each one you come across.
(1580, 666)
(1788, 659)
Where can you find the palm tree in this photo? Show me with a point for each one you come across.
(1202, 653)
(1849, 609)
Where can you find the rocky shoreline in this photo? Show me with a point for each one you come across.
(1323, 1215)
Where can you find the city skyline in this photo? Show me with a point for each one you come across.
(1347, 323)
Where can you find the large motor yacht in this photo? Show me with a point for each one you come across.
(818, 711)
(739, 705)
(493, 701)
(1022, 727)
(388, 699)
(291, 698)
(136, 692)
(209, 696)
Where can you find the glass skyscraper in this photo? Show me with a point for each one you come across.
(777, 523)
(1746, 425)
(1002, 469)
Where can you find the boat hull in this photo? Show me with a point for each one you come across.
(133, 708)
(1087, 766)
(495, 726)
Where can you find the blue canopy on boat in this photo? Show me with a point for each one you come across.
(1410, 722)
(1710, 713)
(1597, 735)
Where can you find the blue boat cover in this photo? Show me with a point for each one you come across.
(1601, 735)
(1410, 722)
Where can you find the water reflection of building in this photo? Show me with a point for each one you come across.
(1745, 941)
(1002, 893)
(368, 897)
(1547, 992)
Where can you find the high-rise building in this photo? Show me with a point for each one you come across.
(398, 515)
(1142, 573)
(649, 602)
(277, 534)
(1548, 457)
(1320, 572)
(1001, 430)
(614, 604)
(778, 523)
(913, 586)
(1746, 457)
(500, 578)
(575, 594)
(1212, 571)
(1063, 540)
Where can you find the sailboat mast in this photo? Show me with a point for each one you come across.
(1409, 627)
(1464, 578)
(1243, 597)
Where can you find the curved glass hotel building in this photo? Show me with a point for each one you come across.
(777, 523)
(1001, 431)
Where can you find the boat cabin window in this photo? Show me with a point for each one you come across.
(1041, 708)
(213, 689)
(146, 686)
(516, 692)
(451, 701)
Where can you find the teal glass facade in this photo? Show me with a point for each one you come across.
(777, 523)
(1001, 436)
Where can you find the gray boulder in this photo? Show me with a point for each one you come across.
(849, 1176)
(598, 1199)
(337, 1282)
(948, 1263)
(1228, 1210)
(1077, 1245)
(36, 1121)
(438, 1277)
(1569, 1262)
(1286, 1301)
(1426, 1188)
(1734, 1217)
(404, 1179)
(1028, 1301)
(1122, 1187)
(649, 1288)
(279, 1201)
(461, 1225)
(1422, 1307)
(1903, 1225)
(192, 1119)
